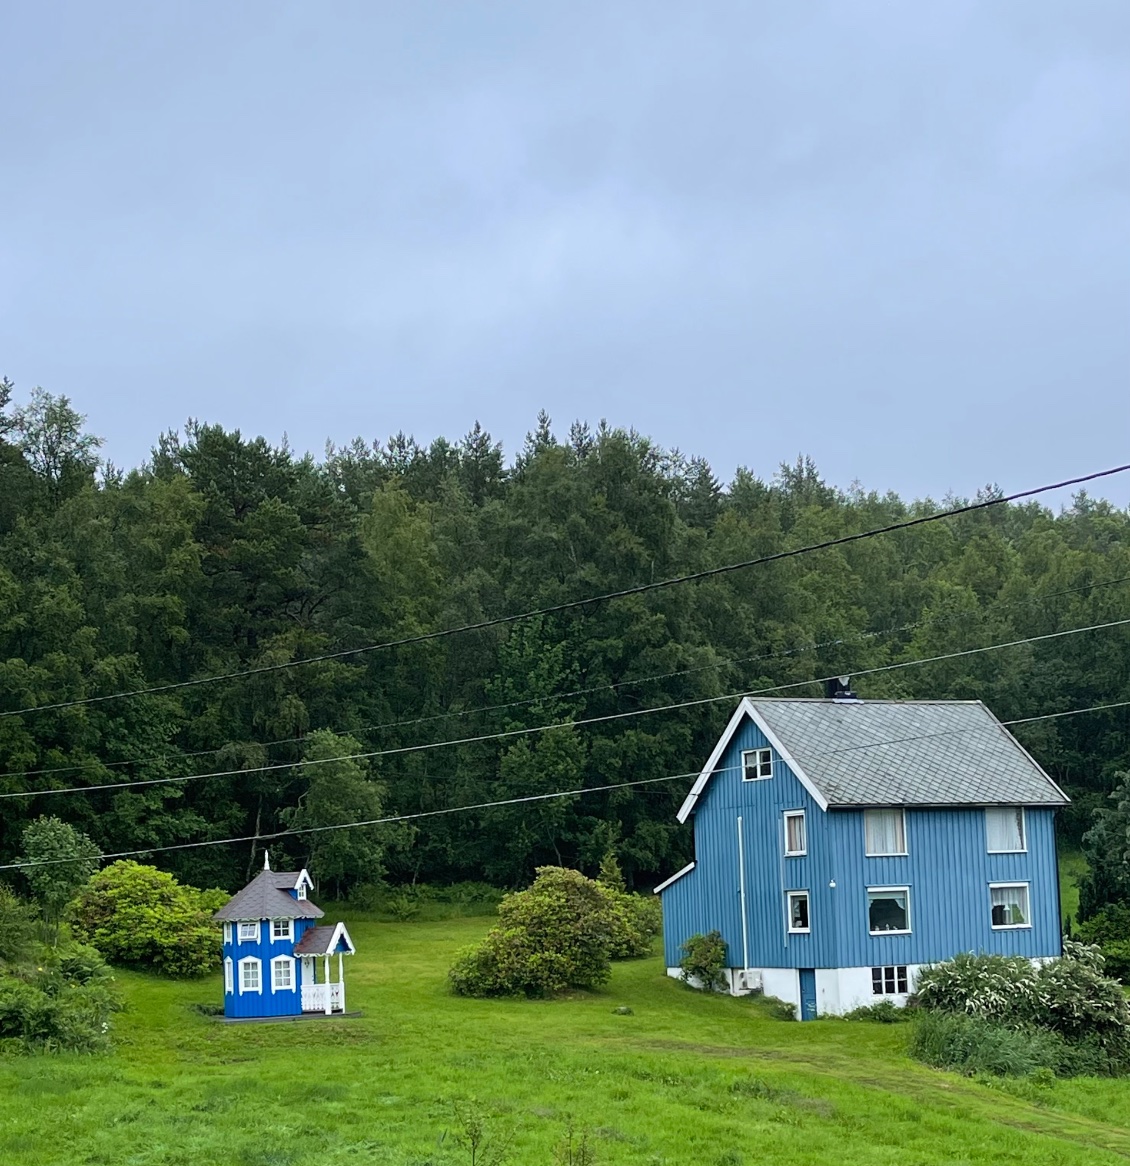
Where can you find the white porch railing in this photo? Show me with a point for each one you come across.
(314, 997)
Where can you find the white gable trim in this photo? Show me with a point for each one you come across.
(339, 934)
(674, 878)
(304, 877)
(746, 709)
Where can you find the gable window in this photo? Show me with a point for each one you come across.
(229, 976)
(249, 932)
(884, 832)
(1009, 905)
(282, 929)
(227, 933)
(798, 912)
(889, 981)
(757, 764)
(282, 974)
(301, 891)
(249, 975)
(888, 910)
(796, 836)
(1004, 829)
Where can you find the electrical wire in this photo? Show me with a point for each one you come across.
(574, 604)
(578, 723)
(528, 798)
(566, 695)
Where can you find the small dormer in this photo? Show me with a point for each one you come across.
(303, 884)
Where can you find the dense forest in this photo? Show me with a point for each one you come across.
(225, 554)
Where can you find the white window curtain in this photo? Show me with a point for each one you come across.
(1010, 906)
(885, 831)
(1004, 826)
(795, 840)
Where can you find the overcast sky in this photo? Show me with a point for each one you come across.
(893, 236)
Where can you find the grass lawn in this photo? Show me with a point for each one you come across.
(686, 1079)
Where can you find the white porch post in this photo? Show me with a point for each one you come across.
(341, 977)
(329, 1003)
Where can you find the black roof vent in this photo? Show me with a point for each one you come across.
(839, 688)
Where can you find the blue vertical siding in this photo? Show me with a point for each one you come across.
(947, 869)
(265, 1003)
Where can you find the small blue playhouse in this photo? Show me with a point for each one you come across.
(277, 960)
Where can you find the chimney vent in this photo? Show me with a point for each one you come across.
(839, 688)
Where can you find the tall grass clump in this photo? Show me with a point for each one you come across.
(981, 1011)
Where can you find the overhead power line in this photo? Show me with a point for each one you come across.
(575, 604)
(392, 819)
(841, 641)
(577, 723)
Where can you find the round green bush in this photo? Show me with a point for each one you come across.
(141, 917)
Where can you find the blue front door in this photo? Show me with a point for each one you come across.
(808, 993)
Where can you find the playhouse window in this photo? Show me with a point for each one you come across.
(229, 978)
(889, 981)
(798, 912)
(884, 832)
(888, 909)
(796, 840)
(301, 893)
(249, 980)
(282, 975)
(282, 929)
(1009, 905)
(227, 933)
(757, 764)
(249, 932)
(1004, 829)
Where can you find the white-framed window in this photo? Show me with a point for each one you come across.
(888, 910)
(282, 974)
(757, 764)
(227, 933)
(884, 832)
(889, 980)
(799, 922)
(796, 833)
(282, 929)
(250, 975)
(1008, 905)
(249, 932)
(301, 894)
(229, 976)
(1004, 829)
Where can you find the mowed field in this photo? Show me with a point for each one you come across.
(686, 1078)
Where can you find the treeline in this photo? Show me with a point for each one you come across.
(225, 554)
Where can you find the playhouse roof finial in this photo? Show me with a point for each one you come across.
(266, 860)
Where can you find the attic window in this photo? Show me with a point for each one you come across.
(301, 891)
(1004, 829)
(757, 764)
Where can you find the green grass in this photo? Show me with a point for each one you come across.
(1072, 867)
(686, 1079)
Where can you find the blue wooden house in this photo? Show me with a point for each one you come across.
(841, 844)
(278, 961)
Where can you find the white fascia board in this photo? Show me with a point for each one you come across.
(746, 709)
(304, 877)
(674, 878)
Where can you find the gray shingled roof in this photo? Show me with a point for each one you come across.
(319, 941)
(267, 897)
(926, 753)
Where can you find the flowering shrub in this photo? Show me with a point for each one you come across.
(1070, 997)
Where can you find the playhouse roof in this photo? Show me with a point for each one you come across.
(324, 941)
(267, 897)
(893, 753)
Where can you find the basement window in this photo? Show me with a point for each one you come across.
(798, 912)
(889, 980)
(757, 764)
